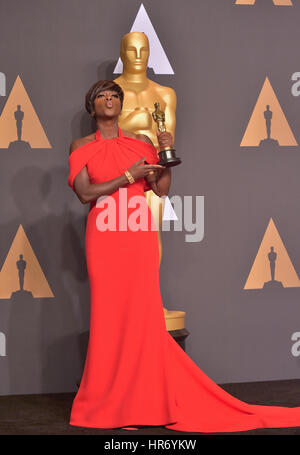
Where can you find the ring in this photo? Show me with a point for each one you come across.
(151, 172)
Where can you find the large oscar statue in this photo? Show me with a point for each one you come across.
(140, 95)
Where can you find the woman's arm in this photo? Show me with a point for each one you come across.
(163, 182)
(88, 192)
(160, 181)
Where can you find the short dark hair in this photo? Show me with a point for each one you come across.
(98, 87)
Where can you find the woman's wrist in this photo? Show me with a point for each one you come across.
(129, 177)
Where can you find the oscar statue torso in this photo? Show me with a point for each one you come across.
(138, 106)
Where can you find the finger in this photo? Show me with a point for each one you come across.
(141, 160)
(165, 144)
(150, 167)
(165, 138)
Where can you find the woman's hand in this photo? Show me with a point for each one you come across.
(153, 176)
(165, 139)
(139, 170)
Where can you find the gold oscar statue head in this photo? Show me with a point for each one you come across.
(141, 92)
(135, 52)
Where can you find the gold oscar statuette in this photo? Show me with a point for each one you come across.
(167, 155)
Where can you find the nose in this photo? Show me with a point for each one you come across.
(108, 96)
(138, 53)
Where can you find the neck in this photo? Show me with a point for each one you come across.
(134, 77)
(109, 128)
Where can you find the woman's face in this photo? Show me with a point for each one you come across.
(107, 104)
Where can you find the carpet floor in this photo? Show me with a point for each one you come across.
(48, 414)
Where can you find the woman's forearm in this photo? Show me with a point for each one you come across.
(162, 185)
(95, 190)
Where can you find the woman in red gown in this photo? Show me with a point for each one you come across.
(135, 373)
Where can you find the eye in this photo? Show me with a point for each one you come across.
(116, 96)
(99, 95)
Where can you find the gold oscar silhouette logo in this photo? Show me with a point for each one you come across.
(272, 268)
(20, 127)
(268, 127)
(275, 2)
(21, 276)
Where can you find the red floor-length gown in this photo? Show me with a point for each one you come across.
(135, 373)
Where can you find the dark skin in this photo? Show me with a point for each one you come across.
(107, 107)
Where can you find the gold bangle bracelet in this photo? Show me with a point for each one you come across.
(129, 177)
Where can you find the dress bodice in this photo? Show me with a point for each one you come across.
(107, 159)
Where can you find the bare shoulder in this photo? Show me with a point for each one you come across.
(81, 141)
(140, 137)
